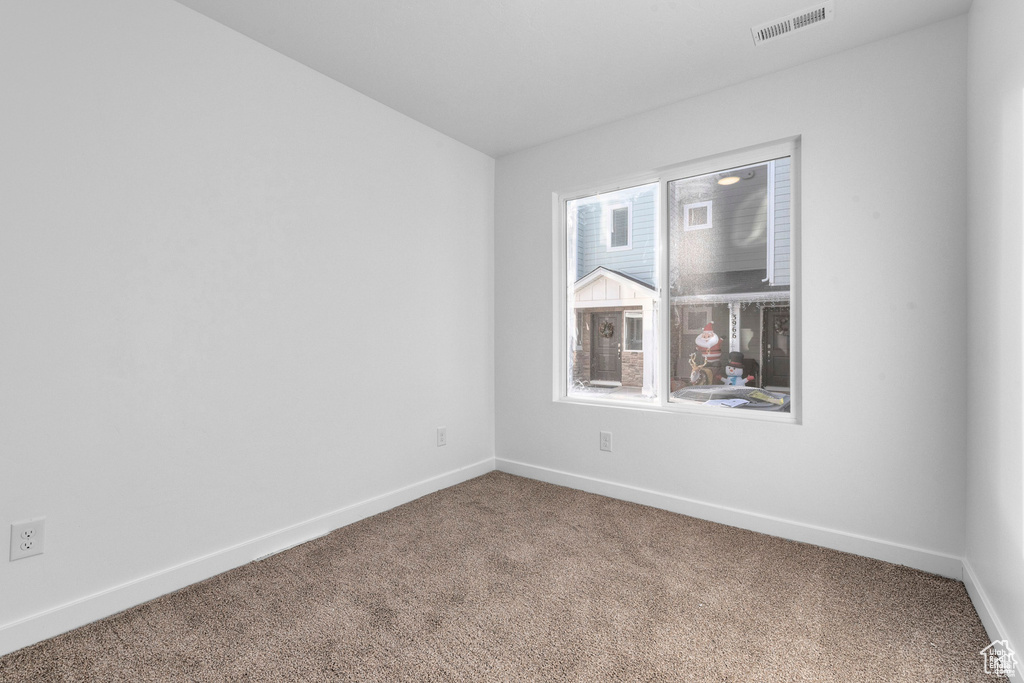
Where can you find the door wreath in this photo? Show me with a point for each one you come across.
(607, 329)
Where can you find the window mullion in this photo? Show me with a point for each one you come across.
(664, 326)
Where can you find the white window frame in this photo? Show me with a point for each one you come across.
(563, 292)
(608, 216)
(687, 226)
(769, 269)
(632, 315)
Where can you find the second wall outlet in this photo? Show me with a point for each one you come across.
(606, 441)
(442, 436)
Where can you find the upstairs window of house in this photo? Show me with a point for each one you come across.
(697, 216)
(619, 228)
(697, 313)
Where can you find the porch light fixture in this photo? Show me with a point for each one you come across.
(734, 178)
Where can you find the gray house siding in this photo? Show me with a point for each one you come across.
(737, 241)
(736, 248)
(592, 223)
(738, 237)
(782, 205)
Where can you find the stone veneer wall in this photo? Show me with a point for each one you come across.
(632, 369)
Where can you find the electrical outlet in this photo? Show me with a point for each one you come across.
(606, 441)
(442, 436)
(27, 538)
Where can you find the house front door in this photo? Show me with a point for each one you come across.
(776, 347)
(606, 345)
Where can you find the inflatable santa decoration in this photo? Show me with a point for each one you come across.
(709, 344)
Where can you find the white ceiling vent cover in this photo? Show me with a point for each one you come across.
(794, 22)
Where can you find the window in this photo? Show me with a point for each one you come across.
(611, 353)
(696, 317)
(698, 310)
(619, 228)
(634, 331)
(697, 216)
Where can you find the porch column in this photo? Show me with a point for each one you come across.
(650, 348)
(735, 327)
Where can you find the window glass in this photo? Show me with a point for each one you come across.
(634, 331)
(678, 291)
(611, 243)
(729, 285)
(697, 216)
(620, 227)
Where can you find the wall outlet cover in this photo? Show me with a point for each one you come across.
(27, 538)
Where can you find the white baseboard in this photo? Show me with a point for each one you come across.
(926, 560)
(52, 622)
(25, 632)
(987, 614)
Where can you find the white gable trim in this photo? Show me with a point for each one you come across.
(606, 288)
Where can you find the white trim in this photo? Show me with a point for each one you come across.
(677, 406)
(735, 333)
(737, 160)
(564, 270)
(611, 303)
(931, 561)
(24, 632)
(608, 225)
(621, 183)
(987, 613)
(795, 283)
(770, 246)
(687, 226)
(599, 272)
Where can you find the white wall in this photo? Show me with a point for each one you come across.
(878, 464)
(236, 297)
(995, 496)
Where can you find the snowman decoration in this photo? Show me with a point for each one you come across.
(734, 371)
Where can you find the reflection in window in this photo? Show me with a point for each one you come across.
(678, 290)
(729, 287)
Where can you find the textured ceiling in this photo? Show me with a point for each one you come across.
(504, 75)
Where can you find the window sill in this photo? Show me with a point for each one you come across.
(681, 407)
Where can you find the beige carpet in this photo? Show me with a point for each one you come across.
(507, 579)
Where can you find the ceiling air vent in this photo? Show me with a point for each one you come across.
(794, 22)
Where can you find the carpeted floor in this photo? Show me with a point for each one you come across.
(508, 579)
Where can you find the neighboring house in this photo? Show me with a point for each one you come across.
(729, 264)
(615, 237)
(614, 331)
(729, 244)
